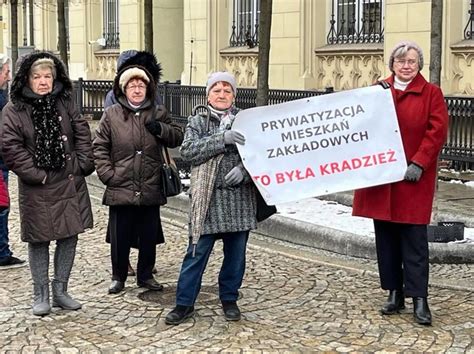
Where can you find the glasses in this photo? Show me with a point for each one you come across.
(134, 87)
(402, 62)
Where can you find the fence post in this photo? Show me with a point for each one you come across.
(79, 95)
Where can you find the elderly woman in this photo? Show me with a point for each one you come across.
(47, 144)
(223, 201)
(402, 210)
(128, 157)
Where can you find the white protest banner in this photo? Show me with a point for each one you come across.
(323, 144)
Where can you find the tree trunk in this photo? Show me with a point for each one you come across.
(62, 37)
(149, 25)
(436, 44)
(264, 28)
(14, 32)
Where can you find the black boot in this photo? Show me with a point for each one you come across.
(231, 310)
(179, 314)
(395, 303)
(421, 311)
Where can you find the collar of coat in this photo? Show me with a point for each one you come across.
(415, 86)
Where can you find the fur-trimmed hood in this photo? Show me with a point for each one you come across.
(142, 58)
(23, 69)
(151, 86)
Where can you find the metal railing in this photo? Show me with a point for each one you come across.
(356, 21)
(180, 100)
(469, 29)
(245, 21)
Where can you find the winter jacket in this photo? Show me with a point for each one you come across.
(128, 157)
(3, 102)
(423, 120)
(232, 208)
(54, 204)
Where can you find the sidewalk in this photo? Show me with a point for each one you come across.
(456, 203)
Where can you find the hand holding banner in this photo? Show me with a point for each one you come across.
(323, 144)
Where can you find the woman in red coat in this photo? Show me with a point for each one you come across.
(402, 210)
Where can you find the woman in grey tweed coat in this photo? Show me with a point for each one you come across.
(223, 201)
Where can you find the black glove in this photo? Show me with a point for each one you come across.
(413, 173)
(153, 127)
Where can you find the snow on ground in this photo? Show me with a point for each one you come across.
(336, 216)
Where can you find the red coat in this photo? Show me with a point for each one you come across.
(423, 120)
(4, 200)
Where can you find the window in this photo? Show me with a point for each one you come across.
(469, 30)
(356, 21)
(246, 15)
(111, 23)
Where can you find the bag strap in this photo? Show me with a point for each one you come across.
(166, 156)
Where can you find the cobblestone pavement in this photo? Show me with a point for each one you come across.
(293, 300)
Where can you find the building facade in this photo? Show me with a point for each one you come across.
(315, 44)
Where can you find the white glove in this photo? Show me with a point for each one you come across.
(232, 137)
(234, 177)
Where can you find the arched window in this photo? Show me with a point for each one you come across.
(469, 30)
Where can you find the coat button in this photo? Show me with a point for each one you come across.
(138, 152)
(70, 176)
(60, 118)
(137, 194)
(68, 157)
(64, 137)
(137, 114)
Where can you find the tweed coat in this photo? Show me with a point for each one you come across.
(60, 207)
(423, 120)
(231, 208)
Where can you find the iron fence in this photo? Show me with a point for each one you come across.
(180, 100)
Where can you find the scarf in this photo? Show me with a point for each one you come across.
(49, 148)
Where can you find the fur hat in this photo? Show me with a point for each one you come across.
(406, 45)
(132, 73)
(143, 59)
(221, 76)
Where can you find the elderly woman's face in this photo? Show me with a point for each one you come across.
(221, 96)
(135, 91)
(41, 81)
(406, 67)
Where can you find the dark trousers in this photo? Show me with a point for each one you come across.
(124, 222)
(402, 255)
(230, 275)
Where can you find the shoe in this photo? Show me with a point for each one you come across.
(116, 286)
(8, 261)
(131, 271)
(395, 303)
(61, 298)
(231, 310)
(421, 311)
(150, 284)
(179, 314)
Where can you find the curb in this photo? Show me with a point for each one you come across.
(316, 236)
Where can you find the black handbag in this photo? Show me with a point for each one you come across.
(264, 211)
(170, 179)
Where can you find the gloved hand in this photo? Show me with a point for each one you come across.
(153, 126)
(232, 137)
(234, 177)
(413, 173)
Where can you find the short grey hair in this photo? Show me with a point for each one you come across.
(401, 49)
(43, 63)
(4, 59)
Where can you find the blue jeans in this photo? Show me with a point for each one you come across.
(4, 248)
(230, 275)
